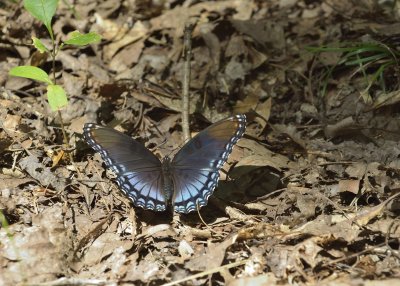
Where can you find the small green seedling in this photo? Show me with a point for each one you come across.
(362, 55)
(44, 10)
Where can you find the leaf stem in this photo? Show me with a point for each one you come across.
(53, 58)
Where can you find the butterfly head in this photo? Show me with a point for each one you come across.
(166, 160)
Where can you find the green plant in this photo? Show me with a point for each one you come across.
(365, 57)
(44, 10)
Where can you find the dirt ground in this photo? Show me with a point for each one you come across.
(309, 195)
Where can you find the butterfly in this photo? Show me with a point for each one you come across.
(184, 182)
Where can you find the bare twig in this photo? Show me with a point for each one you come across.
(64, 281)
(187, 54)
(207, 272)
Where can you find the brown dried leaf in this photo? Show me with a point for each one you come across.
(257, 155)
(137, 32)
(264, 109)
(213, 256)
(39, 252)
(41, 173)
(352, 186)
(265, 32)
(343, 127)
(176, 18)
(337, 225)
(363, 217)
(12, 182)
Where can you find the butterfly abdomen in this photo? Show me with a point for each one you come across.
(167, 184)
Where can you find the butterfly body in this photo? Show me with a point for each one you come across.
(185, 182)
(167, 184)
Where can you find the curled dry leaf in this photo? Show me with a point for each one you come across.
(185, 250)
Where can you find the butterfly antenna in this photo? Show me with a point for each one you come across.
(201, 218)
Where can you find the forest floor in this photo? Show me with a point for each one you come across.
(309, 195)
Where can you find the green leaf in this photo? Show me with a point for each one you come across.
(361, 61)
(43, 10)
(56, 96)
(77, 39)
(38, 44)
(31, 72)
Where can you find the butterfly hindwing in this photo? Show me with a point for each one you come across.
(193, 187)
(138, 170)
(195, 168)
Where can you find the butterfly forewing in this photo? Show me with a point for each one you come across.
(138, 171)
(195, 168)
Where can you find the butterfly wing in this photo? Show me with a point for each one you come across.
(138, 171)
(195, 168)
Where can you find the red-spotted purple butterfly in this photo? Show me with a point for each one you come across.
(185, 182)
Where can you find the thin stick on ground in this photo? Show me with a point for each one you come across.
(207, 272)
(187, 54)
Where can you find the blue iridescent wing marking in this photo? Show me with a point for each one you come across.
(139, 172)
(195, 168)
